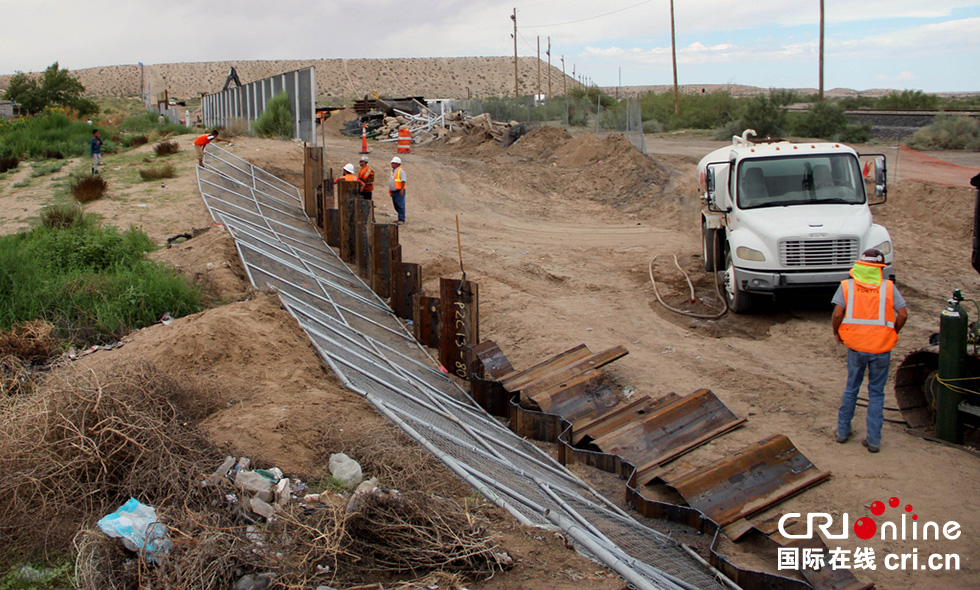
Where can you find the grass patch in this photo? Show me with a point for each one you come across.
(43, 169)
(158, 172)
(93, 283)
(22, 183)
(165, 148)
(64, 217)
(29, 577)
(86, 189)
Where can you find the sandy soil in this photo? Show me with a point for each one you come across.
(559, 233)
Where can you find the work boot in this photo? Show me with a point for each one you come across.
(842, 439)
(871, 449)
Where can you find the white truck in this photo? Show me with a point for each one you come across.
(780, 216)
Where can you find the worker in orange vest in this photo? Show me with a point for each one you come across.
(396, 188)
(349, 176)
(366, 174)
(869, 312)
(202, 141)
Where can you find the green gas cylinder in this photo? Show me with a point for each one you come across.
(954, 325)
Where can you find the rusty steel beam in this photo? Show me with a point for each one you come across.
(425, 320)
(405, 284)
(596, 426)
(517, 382)
(385, 239)
(347, 222)
(747, 482)
(460, 326)
(543, 383)
(586, 394)
(495, 363)
(312, 173)
(363, 220)
(332, 227)
(669, 430)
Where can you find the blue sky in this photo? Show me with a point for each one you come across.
(898, 44)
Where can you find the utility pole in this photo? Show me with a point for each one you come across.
(549, 67)
(564, 78)
(539, 67)
(820, 96)
(513, 17)
(673, 53)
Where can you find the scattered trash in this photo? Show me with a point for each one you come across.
(345, 469)
(140, 530)
(166, 319)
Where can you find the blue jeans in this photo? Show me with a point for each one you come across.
(877, 365)
(398, 201)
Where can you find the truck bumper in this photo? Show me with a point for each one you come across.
(757, 281)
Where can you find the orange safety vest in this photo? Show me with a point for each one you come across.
(367, 177)
(347, 178)
(869, 317)
(399, 183)
(203, 140)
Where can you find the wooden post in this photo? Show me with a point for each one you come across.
(425, 320)
(363, 222)
(405, 284)
(460, 327)
(385, 239)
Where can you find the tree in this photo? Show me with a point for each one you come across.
(56, 88)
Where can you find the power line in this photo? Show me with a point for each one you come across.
(588, 17)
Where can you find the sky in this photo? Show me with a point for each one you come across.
(933, 46)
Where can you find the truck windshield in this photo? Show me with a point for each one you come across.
(803, 180)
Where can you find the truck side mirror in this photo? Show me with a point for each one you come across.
(709, 182)
(881, 178)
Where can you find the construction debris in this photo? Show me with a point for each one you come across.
(382, 120)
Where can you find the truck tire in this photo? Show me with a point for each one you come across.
(711, 247)
(739, 301)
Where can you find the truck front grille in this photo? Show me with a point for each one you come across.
(805, 253)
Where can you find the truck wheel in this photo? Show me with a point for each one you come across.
(739, 301)
(709, 247)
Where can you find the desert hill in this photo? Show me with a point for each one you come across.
(337, 80)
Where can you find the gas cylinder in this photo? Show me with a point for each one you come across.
(954, 325)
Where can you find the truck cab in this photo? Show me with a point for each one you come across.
(780, 216)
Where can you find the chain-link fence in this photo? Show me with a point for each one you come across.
(373, 354)
(600, 114)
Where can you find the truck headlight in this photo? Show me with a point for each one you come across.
(749, 254)
(884, 247)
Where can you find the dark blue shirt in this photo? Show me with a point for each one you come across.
(96, 147)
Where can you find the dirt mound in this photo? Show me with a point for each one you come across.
(211, 262)
(612, 171)
(543, 141)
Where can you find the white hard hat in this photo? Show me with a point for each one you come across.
(364, 158)
(349, 168)
(396, 160)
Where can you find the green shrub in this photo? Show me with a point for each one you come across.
(165, 148)
(276, 121)
(707, 110)
(158, 172)
(827, 120)
(909, 100)
(146, 122)
(54, 88)
(948, 133)
(93, 283)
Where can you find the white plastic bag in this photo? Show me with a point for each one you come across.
(138, 527)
